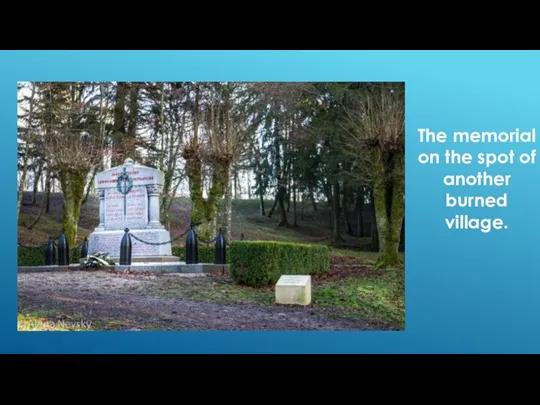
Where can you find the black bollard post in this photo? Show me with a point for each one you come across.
(220, 249)
(84, 248)
(63, 249)
(192, 247)
(50, 251)
(125, 249)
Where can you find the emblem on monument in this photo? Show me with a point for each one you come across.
(124, 184)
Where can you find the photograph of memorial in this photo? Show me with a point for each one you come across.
(184, 206)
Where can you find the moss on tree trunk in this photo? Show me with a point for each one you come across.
(225, 210)
(73, 184)
(194, 174)
(204, 211)
(388, 194)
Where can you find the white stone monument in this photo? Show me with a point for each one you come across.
(293, 290)
(129, 198)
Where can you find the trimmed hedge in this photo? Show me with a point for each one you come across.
(35, 256)
(259, 263)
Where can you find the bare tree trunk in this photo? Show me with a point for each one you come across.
(288, 194)
(261, 191)
(336, 223)
(258, 179)
(48, 182)
(374, 235)
(73, 184)
(281, 203)
(261, 196)
(102, 120)
(192, 154)
(344, 205)
(327, 191)
(44, 202)
(389, 206)
(313, 200)
(167, 208)
(235, 183)
(133, 114)
(22, 182)
(226, 210)
(248, 175)
(90, 185)
(161, 127)
(295, 222)
(37, 175)
(273, 207)
(170, 187)
(119, 130)
(203, 212)
(359, 211)
(26, 156)
(280, 173)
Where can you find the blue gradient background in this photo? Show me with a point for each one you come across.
(467, 292)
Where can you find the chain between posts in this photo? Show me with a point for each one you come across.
(205, 241)
(131, 234)
(209, 242)
(158, 243)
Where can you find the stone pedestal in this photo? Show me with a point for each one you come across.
(293, 290)
(109, 241)
(129, 198)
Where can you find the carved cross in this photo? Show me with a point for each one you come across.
(124, 184)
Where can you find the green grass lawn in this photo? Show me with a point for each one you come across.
(362, 299)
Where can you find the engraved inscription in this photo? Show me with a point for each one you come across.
(294, 280)
(136, 204)
(111, 243)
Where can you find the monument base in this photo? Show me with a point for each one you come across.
(150, 259)
(109, 242)
(178, 267)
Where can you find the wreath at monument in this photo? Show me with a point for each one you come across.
(98, 260)
(124, 183)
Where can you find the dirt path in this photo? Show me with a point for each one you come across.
(127, 301)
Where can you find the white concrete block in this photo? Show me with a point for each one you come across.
(293, 290)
